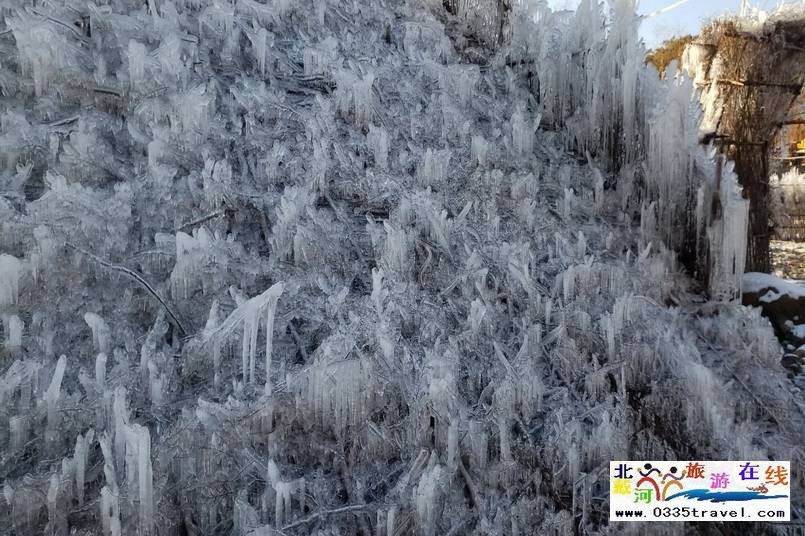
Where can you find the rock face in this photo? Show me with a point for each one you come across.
(782, 302)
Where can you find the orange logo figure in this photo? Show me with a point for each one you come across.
(673, 480)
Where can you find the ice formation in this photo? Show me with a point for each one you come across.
(82, 445)
(101, 333)
(283, 493)
(470, 231)
(379, 142)
(10, 273)
(248, 316)
(14, 327)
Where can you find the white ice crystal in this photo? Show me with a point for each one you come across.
(248, 316)
(354, 98)
(13, 327)
(100, 372)
(378, 140)
(10, 274)
(82, 445)
(426, 495)
(101, 334)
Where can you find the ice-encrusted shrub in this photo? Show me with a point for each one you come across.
(471, 322)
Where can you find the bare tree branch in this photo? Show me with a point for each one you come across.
(137, 277)
(324, 513)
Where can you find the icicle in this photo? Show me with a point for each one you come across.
(378, 140)
(608, 331)
(8, 492)
(426, 494)
(273, 473)
(271, 309)
(120, 416)
(363, 99)
(568, 202)
(247, 315)
(452, 444)
(568, 283)
(281, 492)
(598, 186)
(244, 517)
(184, 269)
(14, 328)
(353, 97)
(301, 492)
(101, 334)
(378, 293)
(81, 453)
(51, 398)
(522, 133)
(142, 442)
(321, 161)
(434, 166)
(10, 273)
(53, 392)
(391, 520)
(581, 245)
(18, 428)
(397, 251)
(261, 49)
(157, 385)
(477, 313)
(53, 508)
(137, 55)
(110, 513)
(209, 328)
(479, 150)
(148, 351)
(250, 331)
(45, 250)
(273, 160)
(100, 372)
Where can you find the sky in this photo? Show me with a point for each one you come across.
(685, 19)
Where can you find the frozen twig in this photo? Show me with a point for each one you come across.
(201, 220)
(325, 513)
(476, 499)
(137, 277)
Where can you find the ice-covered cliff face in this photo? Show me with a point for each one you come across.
(308, 267)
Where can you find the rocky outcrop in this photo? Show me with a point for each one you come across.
(783, 303)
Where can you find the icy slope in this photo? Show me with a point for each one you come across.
(304, 266)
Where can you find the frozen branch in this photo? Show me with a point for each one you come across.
(325, 513)
(138, 278)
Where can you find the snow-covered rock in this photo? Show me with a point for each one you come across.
(782, 302)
